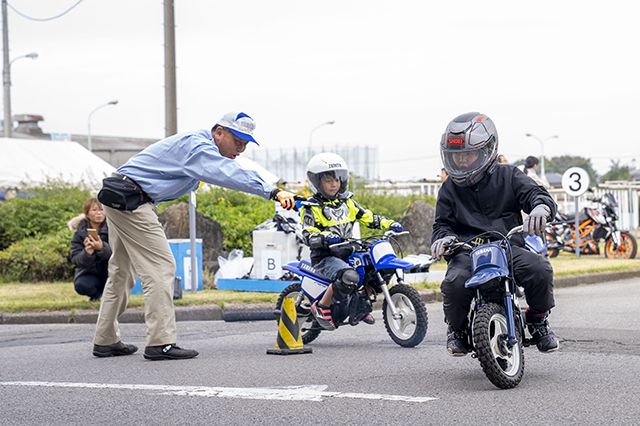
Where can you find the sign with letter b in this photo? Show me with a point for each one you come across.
(272, 263)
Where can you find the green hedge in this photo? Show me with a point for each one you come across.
(238, 213)
(46, 210)
(44, 258)
(34, 239)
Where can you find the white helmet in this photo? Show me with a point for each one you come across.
(327, 163)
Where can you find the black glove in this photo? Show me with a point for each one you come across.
(331, 239)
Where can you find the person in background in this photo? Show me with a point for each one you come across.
(531, 170)
(502, 159)
(164, 171)
(443, 174)
(90, 251)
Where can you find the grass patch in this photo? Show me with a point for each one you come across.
(19, 297)
(567, 264)
(62, 297)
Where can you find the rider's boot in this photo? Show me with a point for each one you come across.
(457, 342)
(369, 319)
(322, 314)
(541, 334)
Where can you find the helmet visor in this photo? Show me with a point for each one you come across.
(330, 183)
(464, 162)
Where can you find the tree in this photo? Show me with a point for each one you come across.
(562, 163)
(617, 172)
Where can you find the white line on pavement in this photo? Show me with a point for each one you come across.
(287, 393)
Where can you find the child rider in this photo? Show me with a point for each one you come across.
(327, 219)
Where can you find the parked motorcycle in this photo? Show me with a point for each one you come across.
(403, 311)
(596, 224)
(496, 327)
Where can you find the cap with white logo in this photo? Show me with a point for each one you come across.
(240, 124)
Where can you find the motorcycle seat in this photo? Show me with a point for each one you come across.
(309, 269)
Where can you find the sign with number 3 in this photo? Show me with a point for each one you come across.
(575, 181)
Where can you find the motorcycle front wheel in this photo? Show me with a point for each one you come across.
(410, 328)
(309, 328)
(502, 365)
(626, 250)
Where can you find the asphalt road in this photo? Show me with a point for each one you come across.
(355, 375)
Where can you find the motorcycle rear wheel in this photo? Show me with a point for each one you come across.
(503, 367)
(409, 330)
(627, 249)
(309, 328)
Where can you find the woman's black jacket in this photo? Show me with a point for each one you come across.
(95, 264)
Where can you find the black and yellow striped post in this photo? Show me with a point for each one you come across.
(289, 340)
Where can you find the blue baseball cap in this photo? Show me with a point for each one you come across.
(240, 124)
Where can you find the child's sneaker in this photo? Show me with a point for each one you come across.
(322, 315)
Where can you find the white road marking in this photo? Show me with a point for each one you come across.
(287, 393)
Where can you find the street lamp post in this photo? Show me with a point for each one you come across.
(542, 173)
(6, 82)
(89, 146)
(327, 123)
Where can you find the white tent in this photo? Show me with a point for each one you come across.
(28, 162)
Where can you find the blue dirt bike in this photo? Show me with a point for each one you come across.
(496, 322)
(403, 311)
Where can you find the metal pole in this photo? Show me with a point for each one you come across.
(192, 237)
(577, 228)
(89, 146)
(542, 174)
(6, 73)
(170, 98)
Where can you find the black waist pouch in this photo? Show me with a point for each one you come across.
(122, 194)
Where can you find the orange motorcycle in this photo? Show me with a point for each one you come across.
(595, 225)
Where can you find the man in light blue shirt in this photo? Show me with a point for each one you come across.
(165, 171)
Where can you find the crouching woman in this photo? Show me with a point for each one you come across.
(90, 250)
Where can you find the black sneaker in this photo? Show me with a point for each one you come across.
(457, 342)
(369, 319)
(168, 351)
(543, 337)
(117, 349)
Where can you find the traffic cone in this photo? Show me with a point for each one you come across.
(289, 340)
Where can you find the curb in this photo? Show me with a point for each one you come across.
(183, 313)
(254, 312)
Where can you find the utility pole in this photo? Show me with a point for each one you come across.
(6, 73)
(170, 99)
(171, 120)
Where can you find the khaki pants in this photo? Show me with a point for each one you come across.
(140, 248)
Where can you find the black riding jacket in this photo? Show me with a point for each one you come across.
(494, 204)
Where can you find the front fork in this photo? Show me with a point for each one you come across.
(510, 315)
(617, 239)
(387, 297)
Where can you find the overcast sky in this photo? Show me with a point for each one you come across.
(390, 73)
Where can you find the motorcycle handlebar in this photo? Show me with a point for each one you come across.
(384, 236)
(461, 244)
(514, 231)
